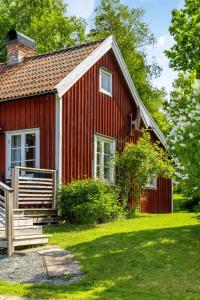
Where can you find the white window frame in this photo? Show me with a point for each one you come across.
(109, 73)
(103, 139)
(9, 134)
(152, 186)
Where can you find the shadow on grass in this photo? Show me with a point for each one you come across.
(149, 264)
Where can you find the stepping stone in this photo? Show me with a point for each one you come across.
(60, 262)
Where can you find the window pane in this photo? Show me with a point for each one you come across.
(15, 164)
(30, 164)
(107, 148)
(30, 140)
(98, 159)
(106, 173)
(107, 161)
(106, 81)
(15, 141)
(30, 153)
(16, 154)
(99, 146)
(98, 171)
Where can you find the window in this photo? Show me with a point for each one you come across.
(152, 184)
(104, 150)
(22, 149)
(105, 82)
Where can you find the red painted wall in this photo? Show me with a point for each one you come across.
(86, 112)
(32, 112)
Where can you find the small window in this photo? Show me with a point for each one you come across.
(152, 184)
(105, 82)
(104, 150)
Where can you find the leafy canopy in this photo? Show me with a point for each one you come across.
(45, 21)
(139, 163)
(184, 137)
(133, 36)
(185, 29)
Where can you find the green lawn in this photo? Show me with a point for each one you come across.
(151, 257)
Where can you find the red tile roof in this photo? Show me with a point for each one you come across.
(41, 73)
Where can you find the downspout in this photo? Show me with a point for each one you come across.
(58, 139)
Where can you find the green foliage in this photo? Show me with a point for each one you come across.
(132, 35)
(88, 202)
(183, 203)
(185, 29)
(137, 164)
(183, 139)
(45, 21)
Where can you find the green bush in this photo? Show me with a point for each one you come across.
(88, 202)
(184, 203)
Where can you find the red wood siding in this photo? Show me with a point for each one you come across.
(86, 112)
(32, 112)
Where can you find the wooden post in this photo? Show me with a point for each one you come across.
(15, 185)
(54, 177)
(9, 222)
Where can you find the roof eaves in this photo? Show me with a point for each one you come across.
(147, 118)
(28, 95)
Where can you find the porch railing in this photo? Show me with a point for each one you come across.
(6, 215)
(34, 187)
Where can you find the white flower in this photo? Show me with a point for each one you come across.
(182, 145)
(191, 135)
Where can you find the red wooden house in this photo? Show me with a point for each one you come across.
(68, 111)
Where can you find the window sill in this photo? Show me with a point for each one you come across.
(151, 188)
(105, 92)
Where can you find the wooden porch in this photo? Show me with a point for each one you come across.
(26, 202)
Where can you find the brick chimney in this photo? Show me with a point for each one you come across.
(19, 46)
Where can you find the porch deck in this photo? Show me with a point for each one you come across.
(30, 200)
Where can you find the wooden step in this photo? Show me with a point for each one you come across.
(22, 221)
(31, 240)
(37, 239)
(46, 220)
(34, 212)
(23, 230)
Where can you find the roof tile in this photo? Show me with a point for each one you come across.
(41, 73)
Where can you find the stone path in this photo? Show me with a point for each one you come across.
(59, 262)
(44, 265)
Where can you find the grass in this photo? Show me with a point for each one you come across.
(151, 257)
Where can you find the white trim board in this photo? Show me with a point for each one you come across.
(58, 138)
(87, 63)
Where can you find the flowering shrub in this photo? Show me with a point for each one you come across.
(184, 137)
(137, 164)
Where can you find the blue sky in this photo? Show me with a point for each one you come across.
(157, 15)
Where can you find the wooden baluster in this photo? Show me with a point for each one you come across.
(9, 221)
(15, 185)
(54, 195)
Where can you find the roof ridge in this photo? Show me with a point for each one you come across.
(64, 49)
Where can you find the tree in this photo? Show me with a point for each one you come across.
(133, 36)
(185, 29)
(184, 137)
(45, 21)
(137, 164)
